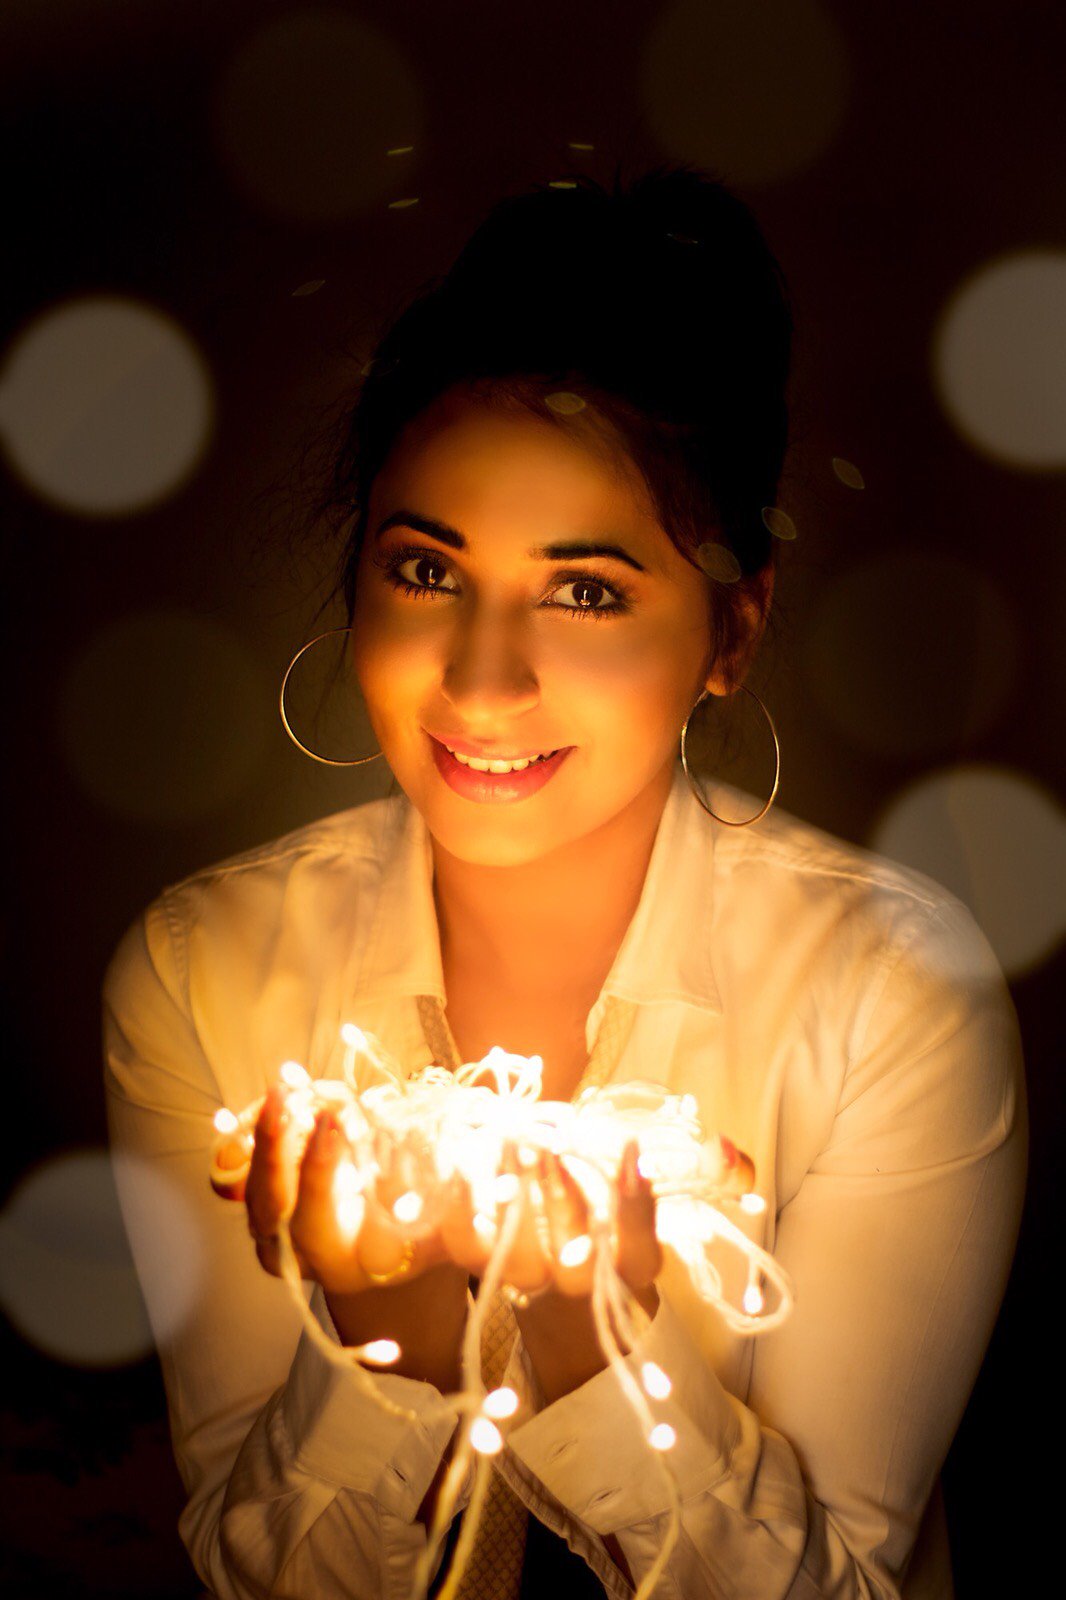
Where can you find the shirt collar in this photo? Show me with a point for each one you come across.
(664, 956)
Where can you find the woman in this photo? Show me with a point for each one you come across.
(559, 561)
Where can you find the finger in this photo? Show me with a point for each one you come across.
(314, 1226)
(270, 1189)
(639, 1255)
(528, 1264)
(229, 1168)
(466, 1235)
(739, 1175)
(566, 1213)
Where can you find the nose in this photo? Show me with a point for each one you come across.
(488, 676)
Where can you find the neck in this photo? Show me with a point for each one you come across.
(564, 913)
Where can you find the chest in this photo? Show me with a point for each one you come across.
(550, 1025)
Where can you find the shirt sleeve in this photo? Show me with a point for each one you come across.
(898, 1242)
(297, 1483)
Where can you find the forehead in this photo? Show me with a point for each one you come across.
(489, 468)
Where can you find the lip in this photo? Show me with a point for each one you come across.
(490, 787)
(484, 752)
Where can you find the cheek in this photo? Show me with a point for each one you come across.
(635, 683)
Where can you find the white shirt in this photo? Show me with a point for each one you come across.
(841, 1018)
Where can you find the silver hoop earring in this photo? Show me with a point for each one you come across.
(777, 762)
(325, 761)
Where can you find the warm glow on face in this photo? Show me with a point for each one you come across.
(490, 658)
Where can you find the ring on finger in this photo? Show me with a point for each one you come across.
(394, 1273)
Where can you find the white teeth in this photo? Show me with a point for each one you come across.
(493, 766)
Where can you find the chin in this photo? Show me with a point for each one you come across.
(507, 844)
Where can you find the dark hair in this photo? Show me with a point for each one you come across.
(659, 304)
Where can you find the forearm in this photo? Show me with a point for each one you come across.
(559, 1335)
(430, 1347)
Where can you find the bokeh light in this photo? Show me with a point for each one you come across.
(308, 111)
(67, 1279)
(753, 92)
(995, 838)
(106, 406)
(165, 717)
(911, 654)
(848, 473)
(999, 359)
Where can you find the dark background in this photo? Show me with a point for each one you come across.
(168, 155)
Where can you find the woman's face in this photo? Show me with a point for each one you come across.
(485, 623)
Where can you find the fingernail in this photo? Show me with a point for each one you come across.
(326, 1136)
(272, 1109)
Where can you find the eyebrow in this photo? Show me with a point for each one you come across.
(574, 549)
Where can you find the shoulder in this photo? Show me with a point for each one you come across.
(815, 886)
(307, 876)
(848, 928)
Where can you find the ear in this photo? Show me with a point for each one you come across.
(755, 598)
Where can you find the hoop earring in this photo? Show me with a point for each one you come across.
(777, 762)
(326, 761)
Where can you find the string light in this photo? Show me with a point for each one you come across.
(500, 1403)
(407, 1139)
(655, 1380)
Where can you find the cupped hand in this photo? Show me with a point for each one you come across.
(551, 1248)
(345, 1254)
(553, 1245)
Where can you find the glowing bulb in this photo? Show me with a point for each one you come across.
(225, 1121)
(752, 1203)
(500, 1403)
(353, 1036)
(295, 1076)
(656, 1382)
(486, 1437)
(662, 1437)
(645, 1167)
(753, 1300)
(381, 1352)
(484, 1227)
(506, 1188)
(575, 1252)
(349, 1205)
(408, 1208)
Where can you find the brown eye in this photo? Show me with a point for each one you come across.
(588, 595)
(429, 572)
(423, 572)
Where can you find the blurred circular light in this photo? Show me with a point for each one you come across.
(165, 717)
(778, 522)
(999, 359)
(848, 473)
(753, 92)
(308, 110)
(718, 562)
(485, 1437)
(106, 406)
(912, 654)
(67, 1280)
(997, 840)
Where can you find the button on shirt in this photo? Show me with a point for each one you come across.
(842, 1019)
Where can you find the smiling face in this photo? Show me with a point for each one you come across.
(483, 623)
